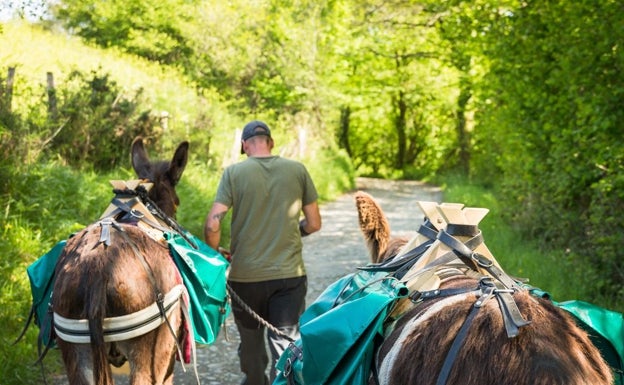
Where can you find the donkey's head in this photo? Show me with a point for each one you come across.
(165, 175)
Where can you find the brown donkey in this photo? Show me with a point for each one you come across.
(452, 329)
(118, 295)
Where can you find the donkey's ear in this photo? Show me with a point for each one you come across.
(140, 159)
(373, 224)
(178, 163)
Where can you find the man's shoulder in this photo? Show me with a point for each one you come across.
(289, 161)
(294, 165)
(273, 162)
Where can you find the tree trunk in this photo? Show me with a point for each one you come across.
(400, 127)
(6, 93)
(463, 136)
(52, 110)
(343, 133)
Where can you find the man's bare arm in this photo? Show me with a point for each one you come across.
(212, 226)
(312, 221)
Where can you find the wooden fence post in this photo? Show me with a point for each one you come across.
(6, 92)
(51, 91)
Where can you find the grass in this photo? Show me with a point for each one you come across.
(61, 54)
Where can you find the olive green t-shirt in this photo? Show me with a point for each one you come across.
(266, 195)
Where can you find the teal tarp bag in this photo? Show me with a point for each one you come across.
(41, 277)
(339, 331)
(605, 329)
(203, 271)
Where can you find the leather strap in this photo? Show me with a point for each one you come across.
(477, 261)
(418, 296)
(487, 292)
(512, 317)
(428, 230)
(288, 367)
(401, 265)
(105, 225)
(187, 316)
(127, 207)
(462, 230)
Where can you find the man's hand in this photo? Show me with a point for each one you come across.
(226, 253)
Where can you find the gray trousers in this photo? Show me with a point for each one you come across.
(253, 355)
(278, 302)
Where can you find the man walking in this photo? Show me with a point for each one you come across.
(267, 194)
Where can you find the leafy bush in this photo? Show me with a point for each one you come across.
(98, 121)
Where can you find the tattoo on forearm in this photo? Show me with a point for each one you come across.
(218, 217)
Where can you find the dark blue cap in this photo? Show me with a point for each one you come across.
(254, 128)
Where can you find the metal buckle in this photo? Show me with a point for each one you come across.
(510, 291)
(416, 297)
(136, 213)
(486, 294)
(481, 260)
(287, 367)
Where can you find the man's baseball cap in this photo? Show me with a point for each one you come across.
(254, 128)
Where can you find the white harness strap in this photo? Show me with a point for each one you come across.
(119, 328)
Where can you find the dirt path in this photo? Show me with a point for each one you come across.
(329, 254)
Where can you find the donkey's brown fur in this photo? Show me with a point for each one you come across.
(551, 350)
(375, 228)
(94, 281)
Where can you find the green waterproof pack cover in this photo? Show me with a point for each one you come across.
(605, 329)
(339, 331)
(41, 277)
(203, 271)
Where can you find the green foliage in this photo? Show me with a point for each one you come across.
(552, 127)
(332, 173)
(262, 55)
(160, 90)
(152, 30)
(21, 131)
(389, 78)
(604, 229)
(197, 191)
(97, 122)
